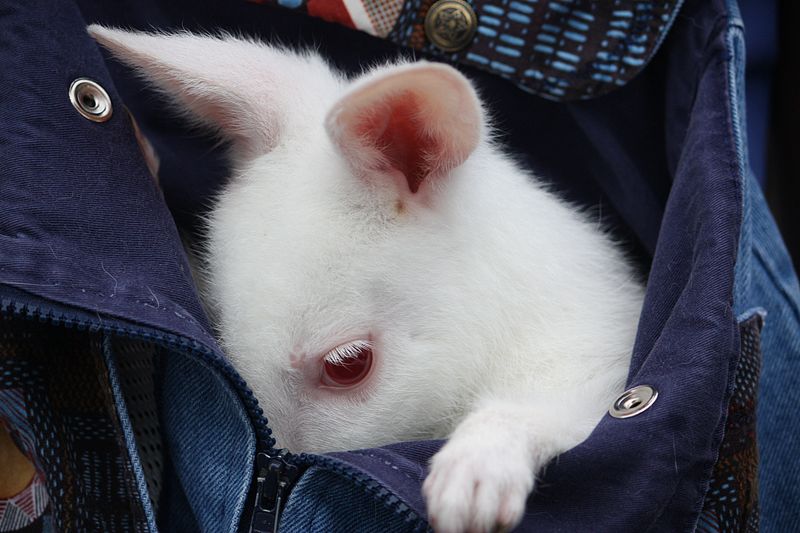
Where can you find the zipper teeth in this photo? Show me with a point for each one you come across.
(167, 340)
(367, 483)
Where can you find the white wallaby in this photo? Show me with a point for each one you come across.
(380, 271)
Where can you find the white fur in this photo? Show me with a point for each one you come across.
(500, 316)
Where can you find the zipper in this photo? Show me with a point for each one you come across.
(278, 474)
(274, 480)
(21, 307)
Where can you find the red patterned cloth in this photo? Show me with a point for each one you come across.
(559, 50)
(24, 508)
(376, 17)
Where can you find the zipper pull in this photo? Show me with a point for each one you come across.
(275, 479)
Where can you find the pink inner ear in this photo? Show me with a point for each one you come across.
(400, 135)
(413, 123)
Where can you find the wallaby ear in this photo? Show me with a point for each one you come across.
(227, 84)
(419, 121)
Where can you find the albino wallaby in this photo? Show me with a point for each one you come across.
(380, 271)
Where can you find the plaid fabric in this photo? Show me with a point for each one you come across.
(559, 50)
(67, 414)
(731, 503)
(382, 14)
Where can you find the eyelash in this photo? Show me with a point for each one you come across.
(340, 354)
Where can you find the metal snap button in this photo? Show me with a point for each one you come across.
(633, 401)
(90, 99)
(450, 24)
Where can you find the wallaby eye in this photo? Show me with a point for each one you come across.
(347, 365)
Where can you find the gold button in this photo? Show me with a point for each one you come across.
(450, 24)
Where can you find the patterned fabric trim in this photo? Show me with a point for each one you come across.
(731, 503)
(560, 50)
(61, 382)
(24, 508)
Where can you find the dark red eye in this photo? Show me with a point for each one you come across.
(347, 365)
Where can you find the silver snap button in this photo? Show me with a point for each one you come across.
(633, 401)
(90, 99)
